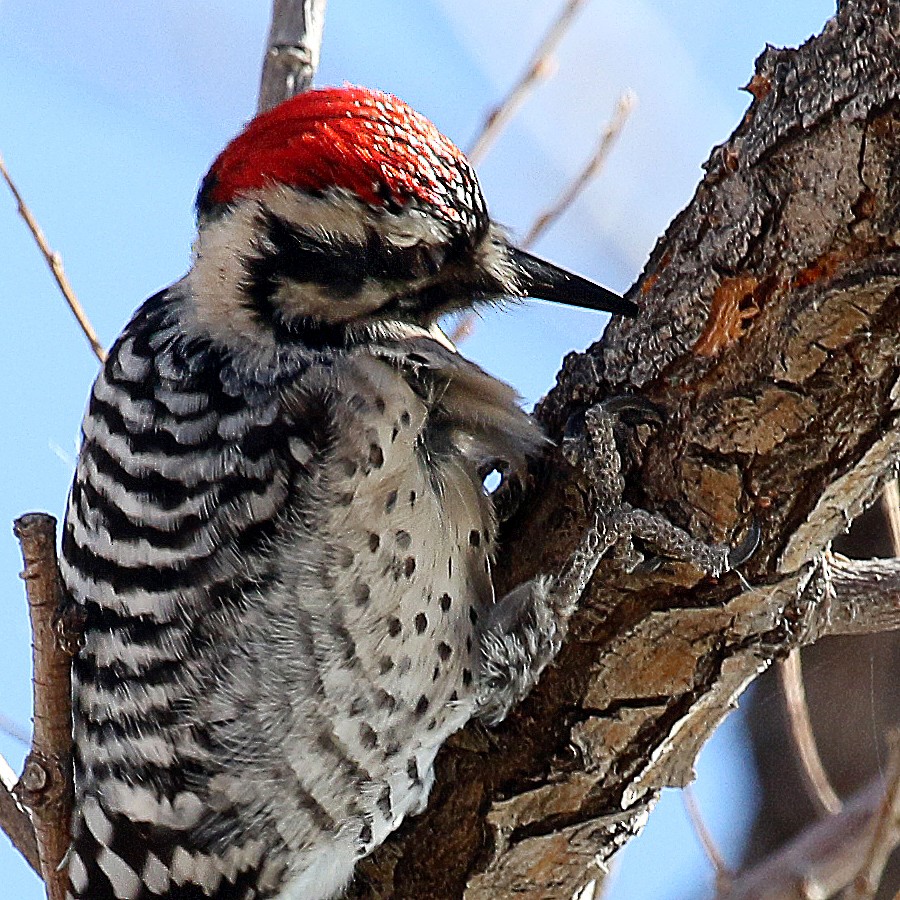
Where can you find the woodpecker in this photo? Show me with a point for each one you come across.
(278, 531)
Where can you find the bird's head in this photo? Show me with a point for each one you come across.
(342, 209)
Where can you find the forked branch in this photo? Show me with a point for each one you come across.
(45, 787)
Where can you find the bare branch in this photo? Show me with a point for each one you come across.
(292, 53)
(866, 596)
(716, 860)
(823, 859)
(56, 267)
(818, 785)
(15, 822)
(46, 784)
(886, 832)
(538, 69)
(466, 324)
(14, 730)
(594, 166)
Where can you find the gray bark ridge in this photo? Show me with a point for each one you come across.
(770, 311)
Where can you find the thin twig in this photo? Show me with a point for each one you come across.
(538, 69)
(292, 53)
(46, 784)
(890, 505)
(886, 832)
(818, 785)
(56, 267)
(592, 169)
(14, 730)
(16, 823)
(717, 861)
(822, 859)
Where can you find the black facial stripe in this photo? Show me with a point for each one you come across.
(292, 254)
(341, 268)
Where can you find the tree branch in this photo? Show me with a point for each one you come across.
(767, 338)
(538, 68)
(863, 596)
(45, 787)
(292, 53)
(16, 825)
(592, 168)
(465, 325)
(54, 261)
(824, 858)
(704, 835)
(885, 832)
(818, 786)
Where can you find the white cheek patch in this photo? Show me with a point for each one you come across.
(218, 278)
(309, 299)
(338, 216)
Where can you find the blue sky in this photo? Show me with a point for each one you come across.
(111, 113)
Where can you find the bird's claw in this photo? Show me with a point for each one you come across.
(747, 547)
(591, 445)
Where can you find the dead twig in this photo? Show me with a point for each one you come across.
(591, 170)
(818, 785)
(885, 834)
(539, 68)
(14, 730)
(56, 267)
(717, 861)
(45, 787)
(292, 52)
(821, 860)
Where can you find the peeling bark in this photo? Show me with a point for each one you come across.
(768, 339)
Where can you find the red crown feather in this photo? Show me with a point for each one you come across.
(362, 140)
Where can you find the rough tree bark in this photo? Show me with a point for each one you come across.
(767, 337)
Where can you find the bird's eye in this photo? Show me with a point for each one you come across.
(432, 257)
(412, 262)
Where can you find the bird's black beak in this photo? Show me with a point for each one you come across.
(545, 281)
